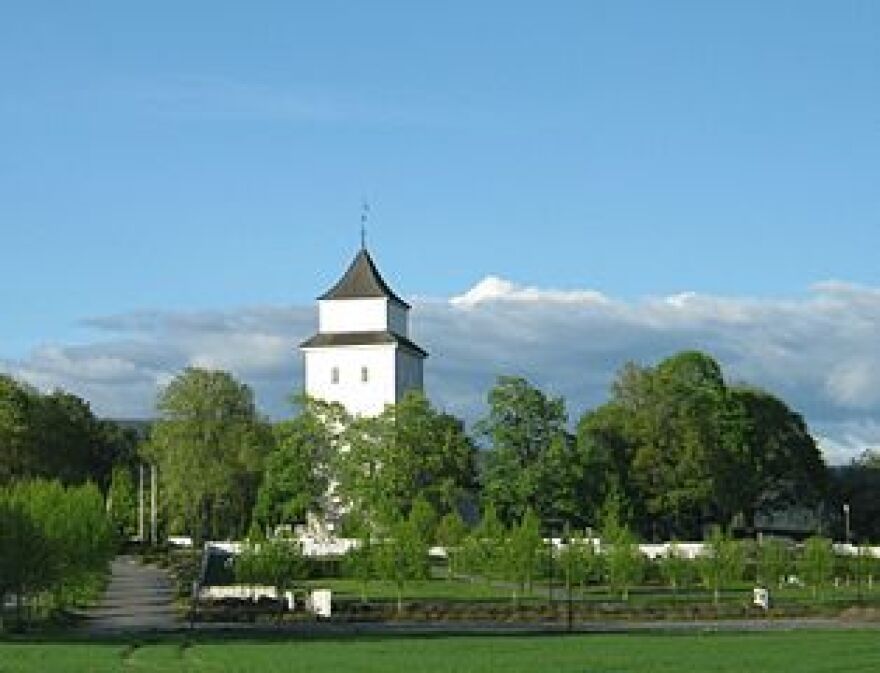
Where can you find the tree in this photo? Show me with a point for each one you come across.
(817, 563)
(686, 449)
(26, 563)
(579, 561)
(484, 547)
(18, 457)
(771, 460)
(209, 444)
(278, 562)
(409, 450)
(402, 556)
(56, 541)
(721, 563)
(297, 471)
(858, 486)
(675, 568)
(424, 519)
(361, 563)
(122, 501)
(531, 460)
(451, 532)
(607, 439)
(624, 564)
(520, 552)
(773, 562)
(56, 436)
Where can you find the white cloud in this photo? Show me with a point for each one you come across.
(493, 288)
(818, 352)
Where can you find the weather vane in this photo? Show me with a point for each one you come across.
(365, 213)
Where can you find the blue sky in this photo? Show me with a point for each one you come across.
(199, 157)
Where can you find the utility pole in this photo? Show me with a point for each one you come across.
(141, 503)
(154, 504)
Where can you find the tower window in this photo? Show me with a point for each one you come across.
(334, 375)
(365, 374)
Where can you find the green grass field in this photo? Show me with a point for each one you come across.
(801, 651)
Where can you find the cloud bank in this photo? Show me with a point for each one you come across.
(821, 353)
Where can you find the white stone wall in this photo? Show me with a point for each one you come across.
(353, 315)
(358, 397)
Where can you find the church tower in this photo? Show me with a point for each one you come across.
(362, 356)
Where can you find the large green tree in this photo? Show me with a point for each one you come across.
(770, 461)
(209, 444)
(18, 456)
(297, 472)
(686, 449)
(532, 461)
(57, 436)
(409, 450)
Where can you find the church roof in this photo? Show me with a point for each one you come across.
(323, 339)
(362, 281)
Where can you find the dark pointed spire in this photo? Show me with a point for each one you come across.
(362, 280)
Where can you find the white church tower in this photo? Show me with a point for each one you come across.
(361, 356)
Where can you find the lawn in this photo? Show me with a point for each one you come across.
(802, 651)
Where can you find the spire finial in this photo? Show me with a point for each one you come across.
(365, 213)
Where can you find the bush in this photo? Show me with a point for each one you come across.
(55, 543)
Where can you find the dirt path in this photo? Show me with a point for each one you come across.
(138, 598)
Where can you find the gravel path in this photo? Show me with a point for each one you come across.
(138, 598)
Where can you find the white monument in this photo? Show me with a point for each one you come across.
(362, 356)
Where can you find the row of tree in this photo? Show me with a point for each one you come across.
(515, 557)
(56, 436)
(55, 544)
(679, 447)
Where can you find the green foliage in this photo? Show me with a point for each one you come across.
(278, 563)
(451, 533)
(773, 559)
(57, 436)
(676, 569)
(409, 450)
(817, 563)
(210, 445)
(858, 485)
(532, 461)
(483, 548)
(122, 501)
(684, 448)
(55, 541)
(722, 563)
(296, 475)
(424, 519)
(519, 552)
(624, 563)
(402, 556)
(580, 562)
(360, 564)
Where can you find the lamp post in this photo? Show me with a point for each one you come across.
(846, 522)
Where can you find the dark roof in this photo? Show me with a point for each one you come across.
(362, 281)
(361, 339)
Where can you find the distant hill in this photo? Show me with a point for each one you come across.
(140, 426)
